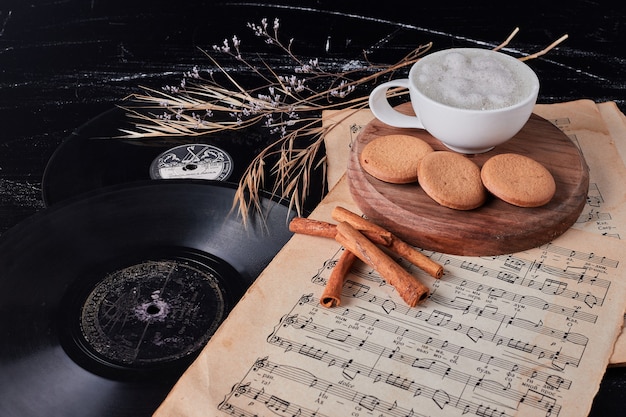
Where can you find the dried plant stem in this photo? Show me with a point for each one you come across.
(536, 54)
(545, 50)
(283, 104)
(507, 40)
(293, 168)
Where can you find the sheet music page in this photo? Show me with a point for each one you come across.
(523, 334)
(599, 130)
(616, 123)
(583, 122)
(605, 212)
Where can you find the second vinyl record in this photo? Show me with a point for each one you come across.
(95, 156)
(108, 298)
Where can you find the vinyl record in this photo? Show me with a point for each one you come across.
(94, 157)
(106, 300)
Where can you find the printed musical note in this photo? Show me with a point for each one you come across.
(369, 402)
(277, 405)
(520, 345)
(498, 334)
(340, 335)
(474, 334)
(555, 381)
(514, 263)
(356, 289)
(552, 286)
(439, 318)
(507, 277)
(312, 352)
(399, 382)
(470, 266)
(441, 398)
(488, 411)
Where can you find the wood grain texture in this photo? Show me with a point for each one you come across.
(66, 62)
(493, 229)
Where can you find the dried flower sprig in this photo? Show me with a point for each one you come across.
(288, 103)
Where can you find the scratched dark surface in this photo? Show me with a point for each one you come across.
(63, 62)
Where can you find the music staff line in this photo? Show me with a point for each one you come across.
(547, 286)
(345, 337)
(594, 195)
(580, 278)
(351, 369)
(444, 320)
(576, 281)
(531, 301)
(593, 216)
(583, 256)
(273, 403)
(550, 248)
(282, 406)
(578, 274)
(491, 313)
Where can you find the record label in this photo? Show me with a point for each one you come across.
(152, 312)
(199, 161)
(108, 298)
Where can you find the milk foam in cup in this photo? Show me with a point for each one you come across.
(471, 99)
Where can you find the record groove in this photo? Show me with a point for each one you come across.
(95, 156)
(106, 299)
(150, 316)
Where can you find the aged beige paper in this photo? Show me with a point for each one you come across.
(510, 335)
(616, 122)
(605, 212)
(337, 141)
(513, 335)
(600, 132)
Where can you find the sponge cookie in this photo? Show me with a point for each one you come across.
(518, 180)
(452, 180)
(394, 158)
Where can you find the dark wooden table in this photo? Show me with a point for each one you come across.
(63, 63)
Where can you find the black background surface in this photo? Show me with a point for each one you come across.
(64, 62)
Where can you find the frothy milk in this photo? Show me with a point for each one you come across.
(471, 79)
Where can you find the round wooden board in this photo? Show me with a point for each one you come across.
(495, 228)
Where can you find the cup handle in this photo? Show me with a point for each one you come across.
(380, 107)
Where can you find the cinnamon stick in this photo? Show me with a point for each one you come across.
(360, 223)
(320, 228)
(408, 287)
(415, 257)
(396, 244)
(331, 296)
(312, 227)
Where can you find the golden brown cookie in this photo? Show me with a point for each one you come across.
(452, 180)
(518, 180)
(394, 158)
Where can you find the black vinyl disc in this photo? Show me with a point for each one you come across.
(106, 300)
(94, 157)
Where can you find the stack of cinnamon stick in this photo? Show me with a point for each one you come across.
(362, 239)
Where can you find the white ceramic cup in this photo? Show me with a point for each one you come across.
(462, 127)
